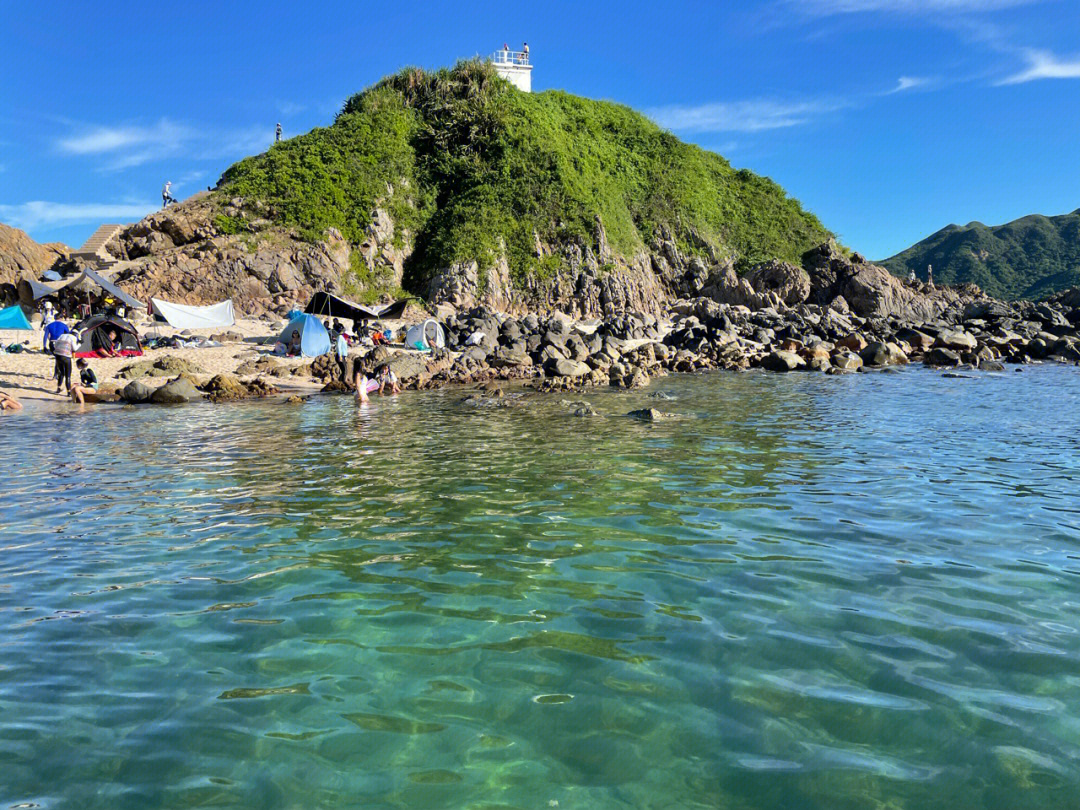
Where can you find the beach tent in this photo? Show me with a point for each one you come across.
(426, 335)
(31, 291)
(314, 339)
(14, 318)
(181, 316)
(93, 332)
(332, 306)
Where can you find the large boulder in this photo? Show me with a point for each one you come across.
(408, 365)
(23, 258)
(566, 368)
(789, 283)
(883, 354)
(176, 392)
(135, 392)
(782, 361)
(956, 340)
(167, 366)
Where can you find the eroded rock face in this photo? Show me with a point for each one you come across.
(789, 283)
(21, 257)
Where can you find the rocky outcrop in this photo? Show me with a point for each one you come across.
(871, 291)
(21, 257)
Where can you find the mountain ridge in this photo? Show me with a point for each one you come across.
(1030, 257)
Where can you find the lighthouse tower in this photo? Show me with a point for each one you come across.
(514, 66)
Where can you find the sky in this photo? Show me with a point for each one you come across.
(889, 119)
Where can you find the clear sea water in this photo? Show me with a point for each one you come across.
(810, 592)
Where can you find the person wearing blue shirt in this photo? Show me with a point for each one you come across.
(52, 332)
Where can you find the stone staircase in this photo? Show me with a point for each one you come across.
(93, 250)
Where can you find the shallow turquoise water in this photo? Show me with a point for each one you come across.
(813, 592)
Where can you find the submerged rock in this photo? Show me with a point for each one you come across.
(652, 415)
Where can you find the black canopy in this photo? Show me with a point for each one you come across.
(323, 303)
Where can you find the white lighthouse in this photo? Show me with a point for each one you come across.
(514, 66)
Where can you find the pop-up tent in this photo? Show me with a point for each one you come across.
(181, 316)
(94, 334)
(14, 318)
(314, 339)
(426, 335)
(333, 306)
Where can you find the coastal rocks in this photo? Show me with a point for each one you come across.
(263, 365)
(559, 367)
(225, 388)
(652, 415)
(883, 354)
(782, 361)
(941, 357)
(790, 284)
(956, 340)
(162, 367)
(176, 392)
(23, 258)
(136, 392)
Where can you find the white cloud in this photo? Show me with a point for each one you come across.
(827, 7)
(740, 116)
(1045, 65)
(126, 146)
(910, 83)
(163, 137)
(39, 213)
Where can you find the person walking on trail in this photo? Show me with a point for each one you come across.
(166, 194)
(63, 348)
(277, 133)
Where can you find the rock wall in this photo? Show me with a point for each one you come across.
(21, 257)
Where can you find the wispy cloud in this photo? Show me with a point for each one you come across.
(740, 116)
(829, 7)
(1045, 65)
(126, 146)
(39, 213)
(910, 83)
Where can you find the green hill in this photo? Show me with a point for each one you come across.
(474, 169)
(1027, 258)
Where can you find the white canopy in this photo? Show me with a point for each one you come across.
(181, 316)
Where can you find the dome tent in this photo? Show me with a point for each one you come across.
(314, 339)
(426, 335)
(94, 333)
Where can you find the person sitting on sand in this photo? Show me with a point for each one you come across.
(386, 377)
(294, 349)
(87, 384)
(9, 403)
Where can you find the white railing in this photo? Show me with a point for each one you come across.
(510, 58)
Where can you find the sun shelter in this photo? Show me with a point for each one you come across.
(94, 334)
(182, 316)
(426, 335)
(314, 339)
(333, 306)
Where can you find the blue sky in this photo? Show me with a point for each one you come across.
(887, 118)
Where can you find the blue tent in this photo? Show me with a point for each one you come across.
(314, 339)
(14, 318)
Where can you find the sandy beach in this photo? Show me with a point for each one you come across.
(28, 375)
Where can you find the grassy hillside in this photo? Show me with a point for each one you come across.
(1026, 258)
(469, 165)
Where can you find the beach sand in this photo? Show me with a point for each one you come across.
(28, 376)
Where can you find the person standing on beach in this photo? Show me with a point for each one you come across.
(52, 332)
(341, 349)
(63, 349)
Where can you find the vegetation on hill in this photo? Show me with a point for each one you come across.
(474, 168)
(1027, 258)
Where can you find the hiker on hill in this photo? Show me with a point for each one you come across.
(166, 194)
(277, 133)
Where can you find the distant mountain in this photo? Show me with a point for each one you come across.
(1028, 258)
